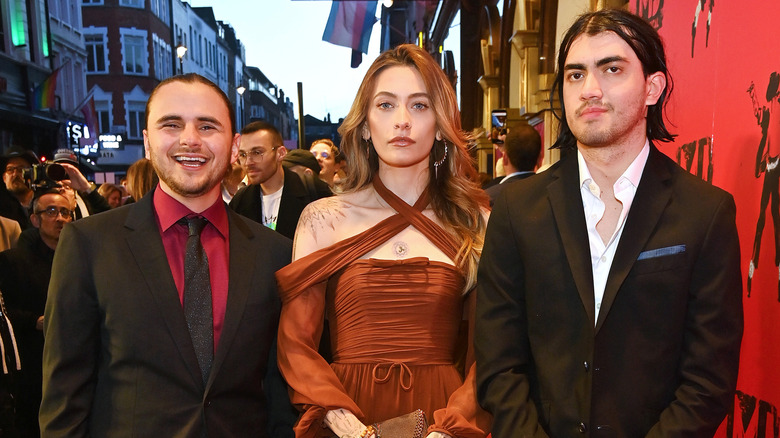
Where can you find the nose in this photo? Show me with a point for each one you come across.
(591, 88)
(189, 135)
(402, 119)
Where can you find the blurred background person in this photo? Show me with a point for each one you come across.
(24, 279)
(232, 182)
(141, 179)
(88, 200)
(111, 193)
(15, 194)
(330, 159)
(521, 155)
(389, 262)
(275, 196)
(308, 169)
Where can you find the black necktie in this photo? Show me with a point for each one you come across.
(197, 296)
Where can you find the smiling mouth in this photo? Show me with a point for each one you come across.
(191, 161)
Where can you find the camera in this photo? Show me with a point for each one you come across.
(44, 176)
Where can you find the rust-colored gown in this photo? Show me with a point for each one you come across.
(393, 325)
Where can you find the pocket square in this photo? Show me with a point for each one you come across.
(660, 252)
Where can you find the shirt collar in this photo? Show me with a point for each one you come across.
(169, 211)
(633, 173)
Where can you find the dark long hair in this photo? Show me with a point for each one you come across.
(643, 40)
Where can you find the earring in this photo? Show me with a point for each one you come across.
(369, 143)
(436, 164)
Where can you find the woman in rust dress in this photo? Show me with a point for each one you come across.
(390, 263)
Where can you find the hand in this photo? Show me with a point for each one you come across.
(39, 323)
(437, 435)
(77, 179)
(344, 423)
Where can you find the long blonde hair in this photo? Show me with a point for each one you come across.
(455, 198)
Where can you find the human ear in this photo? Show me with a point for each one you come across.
(365, 133)
(655, 85)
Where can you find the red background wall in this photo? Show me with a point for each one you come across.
(711, 106)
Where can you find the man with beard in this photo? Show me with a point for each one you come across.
(275, 196)
(157, 322)
(15, 195)
(24, 280)
(609, 297)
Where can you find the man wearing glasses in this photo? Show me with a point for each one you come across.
(24, 279)
(15, 195)
(275, 196)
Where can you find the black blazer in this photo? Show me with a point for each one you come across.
(662, 358)
(248, 202)
(118, 358)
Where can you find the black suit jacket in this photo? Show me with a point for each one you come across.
(249, 202)
(118, 358)
(662, 358)
(494, 190)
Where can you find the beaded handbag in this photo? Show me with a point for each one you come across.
(411, 425)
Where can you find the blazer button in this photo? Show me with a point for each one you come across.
(587, 366)
(582, 428)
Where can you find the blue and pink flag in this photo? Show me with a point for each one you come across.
(350, 23)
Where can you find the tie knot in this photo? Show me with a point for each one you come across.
(195, 224)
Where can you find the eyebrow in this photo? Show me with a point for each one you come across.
(599, 63)
(178, 118)
(411, 96)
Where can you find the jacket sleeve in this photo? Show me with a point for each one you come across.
(503, 361)
(70, 353)
(713, 334)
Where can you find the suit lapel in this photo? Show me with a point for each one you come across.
(566, 203)
(148, 251)
(239, 283)
(652, 197)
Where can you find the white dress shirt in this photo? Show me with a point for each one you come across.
(601, 255)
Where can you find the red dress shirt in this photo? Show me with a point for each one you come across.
(216, 243)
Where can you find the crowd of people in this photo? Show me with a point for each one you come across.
(231, 287)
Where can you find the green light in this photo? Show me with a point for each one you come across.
(18, 23)
(44, 26)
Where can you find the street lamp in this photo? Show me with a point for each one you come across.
(240, 90)
(181, 50)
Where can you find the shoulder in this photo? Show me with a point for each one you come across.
(329, 220)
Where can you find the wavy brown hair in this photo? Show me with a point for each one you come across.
(455, 197)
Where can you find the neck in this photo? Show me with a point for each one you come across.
(25, 198)
(607, 163)
(407, 183)
(196, 204)
(274, 183)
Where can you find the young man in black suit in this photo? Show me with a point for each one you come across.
(275, 196)
(144, 335)
(610, 295)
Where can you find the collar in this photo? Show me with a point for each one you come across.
(633, 173)
(519, 172)
(169, 211)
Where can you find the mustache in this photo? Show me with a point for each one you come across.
(590, 105)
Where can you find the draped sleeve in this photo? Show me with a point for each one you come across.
(314, 387)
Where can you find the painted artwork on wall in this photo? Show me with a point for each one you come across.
(725, 109)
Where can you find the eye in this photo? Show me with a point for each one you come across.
(613, 69)
(575, 76)
(384, 105)
(420, 106)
